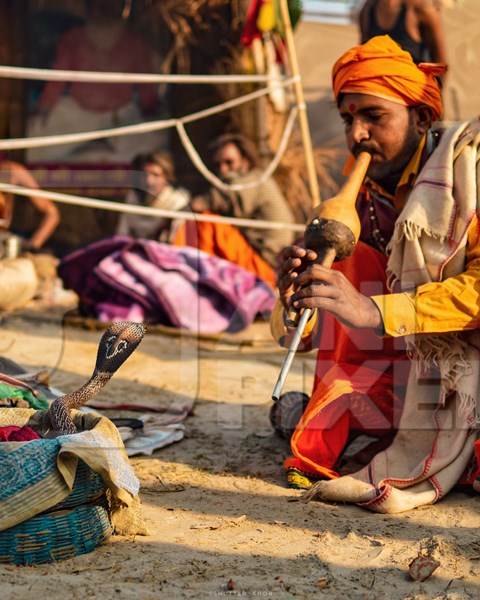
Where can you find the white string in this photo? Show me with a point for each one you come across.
(108, 77)
(85, 136)
(237, 187)
(52, 140)
(146, 210)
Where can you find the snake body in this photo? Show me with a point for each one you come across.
(116, 345)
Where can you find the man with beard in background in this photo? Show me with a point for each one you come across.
(235, 161)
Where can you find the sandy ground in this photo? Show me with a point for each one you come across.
(216, 504)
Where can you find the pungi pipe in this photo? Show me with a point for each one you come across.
(332, 234)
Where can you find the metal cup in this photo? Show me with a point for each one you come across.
(12, 247)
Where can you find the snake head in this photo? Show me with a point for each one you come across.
(117, 344)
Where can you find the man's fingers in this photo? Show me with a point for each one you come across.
(286, 281)
(299, 252)
(315, 291)
(295, 263)
(293, 252)
(291, 264)
(294, 257)
(317, 273)
(316, 302)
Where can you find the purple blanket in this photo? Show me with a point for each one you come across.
(142, 280)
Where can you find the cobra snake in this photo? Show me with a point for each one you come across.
(116, 345)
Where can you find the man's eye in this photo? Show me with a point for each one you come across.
(347, 120)
(375, 117)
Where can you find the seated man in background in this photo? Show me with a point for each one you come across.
(235, 161)
(154, 176)
(18, 276)
(16, 174)
(105, 42)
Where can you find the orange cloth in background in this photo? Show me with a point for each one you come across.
(225, 241)
(381, 68)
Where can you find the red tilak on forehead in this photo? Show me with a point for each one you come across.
(352, 107)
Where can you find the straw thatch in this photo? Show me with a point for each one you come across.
(205, 36)
(188, 21)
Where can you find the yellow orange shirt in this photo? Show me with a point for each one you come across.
(450, 305)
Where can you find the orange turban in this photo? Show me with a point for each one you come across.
(381, 68)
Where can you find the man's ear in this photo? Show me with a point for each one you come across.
(422, 118)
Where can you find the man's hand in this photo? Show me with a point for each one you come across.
(326, 289)
(294, 260)
(199, 204)
(28, 246)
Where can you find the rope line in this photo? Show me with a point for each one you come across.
(146, 210)
(237, 187)
(109, 77)
(49, 140)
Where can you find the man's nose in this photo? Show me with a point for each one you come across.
(359, 131)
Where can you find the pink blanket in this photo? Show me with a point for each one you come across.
(143, 280)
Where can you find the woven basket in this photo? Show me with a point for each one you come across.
(34, 465)
(39, 523)
(87, 488)
(55, 536)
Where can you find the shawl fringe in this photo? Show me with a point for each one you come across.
(468, 408)
(412, 231)
(446, 352)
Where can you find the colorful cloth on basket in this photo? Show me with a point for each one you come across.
(13, 433)
(14, 393)
(37, 476)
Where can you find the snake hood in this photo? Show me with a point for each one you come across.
(117, 344)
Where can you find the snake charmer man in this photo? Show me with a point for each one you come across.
(396, 324)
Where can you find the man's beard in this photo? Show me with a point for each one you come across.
(391, 170)
(230, 176)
